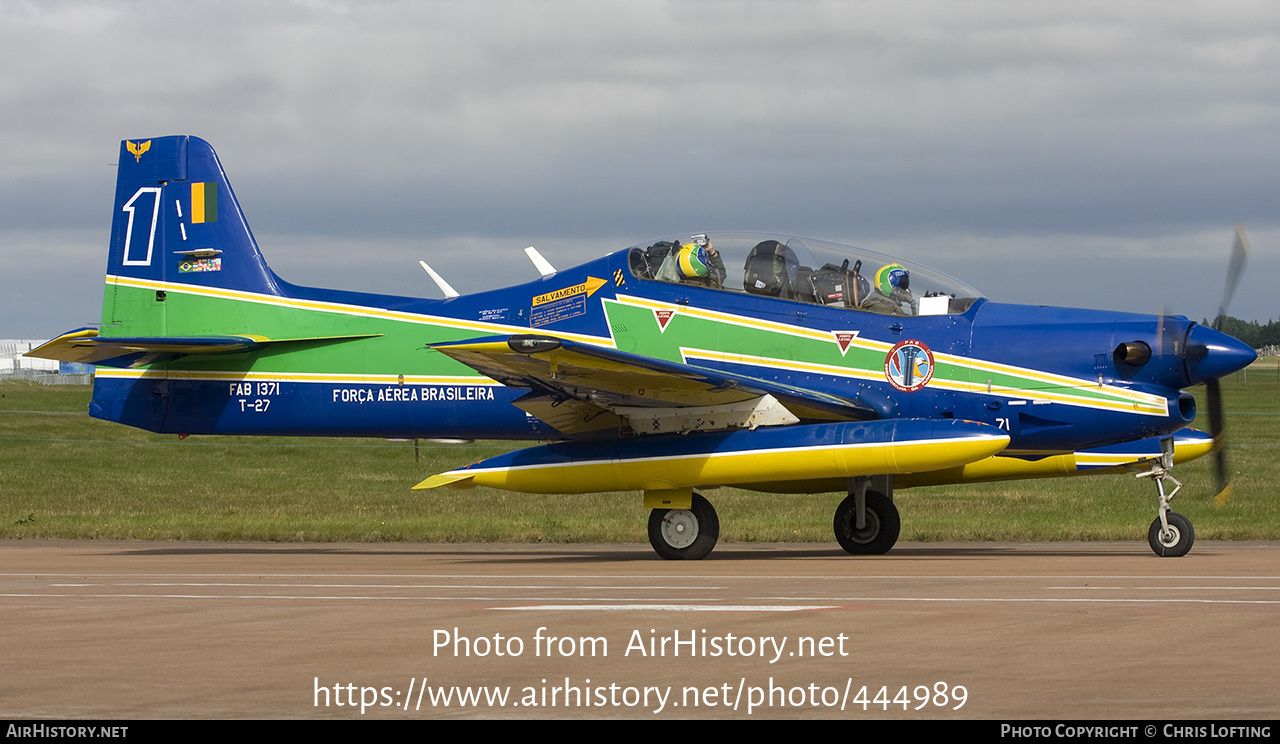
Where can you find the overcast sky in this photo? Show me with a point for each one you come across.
(1094, 154)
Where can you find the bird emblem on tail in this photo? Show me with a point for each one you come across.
(138, 149)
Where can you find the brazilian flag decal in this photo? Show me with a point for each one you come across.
(204, 202)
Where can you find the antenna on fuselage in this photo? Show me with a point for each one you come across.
(543, 266)
(449, 292)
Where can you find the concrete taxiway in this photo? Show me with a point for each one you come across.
(988, 630)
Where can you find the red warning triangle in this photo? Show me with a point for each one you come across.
(664, 317)
(843, 339)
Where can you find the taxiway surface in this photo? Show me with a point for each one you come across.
(990, 630)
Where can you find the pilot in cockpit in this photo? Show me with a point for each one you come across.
(692, 262)
(892, 293)
(698, 262)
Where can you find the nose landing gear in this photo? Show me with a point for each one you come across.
(1171, 534)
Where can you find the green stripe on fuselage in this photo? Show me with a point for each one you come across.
(778, 348)
(400, 349)
(131, 308)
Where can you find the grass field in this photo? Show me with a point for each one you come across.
(63, 474)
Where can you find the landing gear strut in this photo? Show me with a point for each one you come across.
(1170, 535)
(684, 534)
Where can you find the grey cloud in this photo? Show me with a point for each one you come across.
(381, 126)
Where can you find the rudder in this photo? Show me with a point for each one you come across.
(176, 224)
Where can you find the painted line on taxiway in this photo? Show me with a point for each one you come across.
(671, 608)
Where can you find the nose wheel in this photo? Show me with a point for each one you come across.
(684, 534)
(1171, 535)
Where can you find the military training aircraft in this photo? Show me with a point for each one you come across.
(768, 363)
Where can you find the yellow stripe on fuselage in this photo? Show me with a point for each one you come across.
(1132, 400)
(300, 377)
(1122, 399)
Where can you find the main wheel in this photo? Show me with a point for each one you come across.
(878, 534)
(684, 534)
(1174, 542)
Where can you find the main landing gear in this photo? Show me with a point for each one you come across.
(1171, 535)
(684, 534)
(866, 522)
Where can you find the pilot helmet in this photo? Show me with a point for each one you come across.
(892, 277)
(692, 260)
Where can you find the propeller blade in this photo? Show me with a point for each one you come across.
(1217, 427)
(1239, 253)
(1162, 334)
(1213, 388)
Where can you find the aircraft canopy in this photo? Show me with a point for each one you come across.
(802, 270)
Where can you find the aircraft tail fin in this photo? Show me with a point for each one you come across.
(176, 226)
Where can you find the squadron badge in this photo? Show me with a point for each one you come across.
(909, 366)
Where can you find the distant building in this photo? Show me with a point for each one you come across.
(14, 364)
(11, 359)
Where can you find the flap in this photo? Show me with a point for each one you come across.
(611, 379)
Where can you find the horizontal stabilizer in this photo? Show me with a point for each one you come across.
(85, 346)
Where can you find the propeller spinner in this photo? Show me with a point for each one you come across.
(1205, 355)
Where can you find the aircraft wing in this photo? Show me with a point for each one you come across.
(85, 346)
(579, 387)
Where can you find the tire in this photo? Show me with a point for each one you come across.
(880, 532)
(1177, 542)
(684, 534)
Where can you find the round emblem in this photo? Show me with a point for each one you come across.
(909, 366)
